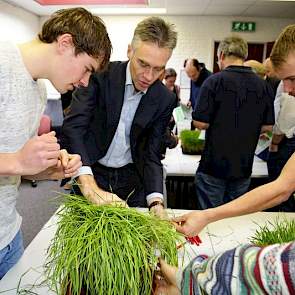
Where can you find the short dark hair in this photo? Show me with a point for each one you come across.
(88, 32)
(170, 72)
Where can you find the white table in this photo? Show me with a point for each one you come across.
(218, 236)
(178, 164)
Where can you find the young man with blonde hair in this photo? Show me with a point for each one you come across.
(117, 124)
(71, 45)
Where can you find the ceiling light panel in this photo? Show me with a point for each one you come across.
(92, 2)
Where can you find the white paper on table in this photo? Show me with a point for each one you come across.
(178, 114)
(202, 135)
(184, 95)
(262, 145)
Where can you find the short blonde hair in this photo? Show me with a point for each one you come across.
(155, 30)
(256, 66)
(283, 46)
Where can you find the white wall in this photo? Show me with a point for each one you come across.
(196, 34)
(17, 25)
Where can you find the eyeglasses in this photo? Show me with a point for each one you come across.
(156, 71)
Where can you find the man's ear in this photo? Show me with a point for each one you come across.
(130, 51)
(64, 43)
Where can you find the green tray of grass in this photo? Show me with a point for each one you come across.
(279, 231)
(190, 142)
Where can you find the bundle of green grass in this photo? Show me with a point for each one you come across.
(107, 249)
(280, 231)
(190, 142)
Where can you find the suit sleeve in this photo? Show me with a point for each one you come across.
(76, 123)
(153, 169)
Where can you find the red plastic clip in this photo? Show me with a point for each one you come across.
(194, 240)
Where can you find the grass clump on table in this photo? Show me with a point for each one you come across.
(190, 142)
(107, 249)
(280, 231)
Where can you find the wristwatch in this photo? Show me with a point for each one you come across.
(155, 203)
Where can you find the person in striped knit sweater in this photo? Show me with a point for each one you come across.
(247, 269)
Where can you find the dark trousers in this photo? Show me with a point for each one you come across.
(213, 192)
(275, 163)
(124, 182)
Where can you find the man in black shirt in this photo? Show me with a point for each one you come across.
(234, 106)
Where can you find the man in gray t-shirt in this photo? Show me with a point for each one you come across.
(72, 44)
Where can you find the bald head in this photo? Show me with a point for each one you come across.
(269, 70)
(192, 69)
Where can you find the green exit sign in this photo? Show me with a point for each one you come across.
(243, 26)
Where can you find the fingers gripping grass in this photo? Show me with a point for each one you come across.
(107, 249)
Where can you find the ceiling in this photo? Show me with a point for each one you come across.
(257, 8)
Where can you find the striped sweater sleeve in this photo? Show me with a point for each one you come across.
(246, 269)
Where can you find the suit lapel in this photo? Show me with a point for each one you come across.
(147, 107)
(115, 96)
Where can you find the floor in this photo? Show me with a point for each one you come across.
(37, 205)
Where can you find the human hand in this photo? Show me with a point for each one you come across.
(273, 148)
(70, 163)
(264, 136)
(66, 167)
(192, 223)
(95, 194)
(102, 197)
(165, 282)
(52, 173)
(159, 211)
(176, 138)
(39, 153)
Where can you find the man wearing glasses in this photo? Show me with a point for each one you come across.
(118, 122)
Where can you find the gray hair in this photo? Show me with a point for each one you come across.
(155, 30)
(233, 46)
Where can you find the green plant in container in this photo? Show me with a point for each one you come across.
(190, 142)
(279, 231)
(107, 249)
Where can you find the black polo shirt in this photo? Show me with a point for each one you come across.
(236, 103)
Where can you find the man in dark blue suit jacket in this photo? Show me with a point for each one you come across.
(118, 122)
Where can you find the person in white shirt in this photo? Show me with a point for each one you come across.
(282, 144)
(71, 45)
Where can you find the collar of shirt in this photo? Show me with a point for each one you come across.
(129, 87)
